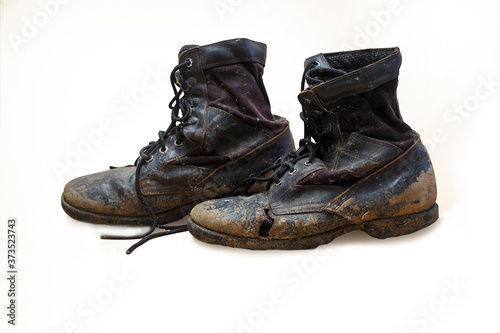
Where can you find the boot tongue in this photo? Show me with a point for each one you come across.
(185, 48)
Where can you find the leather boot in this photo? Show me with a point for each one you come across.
(222, 131)
(359, 167)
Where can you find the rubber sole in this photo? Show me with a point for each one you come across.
(142, 220)
(381, 228)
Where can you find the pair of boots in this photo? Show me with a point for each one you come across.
(231, 164)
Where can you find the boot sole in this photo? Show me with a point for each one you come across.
(380, 228)
(145, 220)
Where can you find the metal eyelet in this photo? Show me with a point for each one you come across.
(180, 144)
(279, 182)
(293, 172)
(190, 62)
(163, 150)
(150, 159)
(307, 163)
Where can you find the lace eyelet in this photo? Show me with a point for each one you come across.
(279, 182)
(180, 144)
(190, 62)
(150, 159)
(163, 150)
(307, 163)
(293, 172)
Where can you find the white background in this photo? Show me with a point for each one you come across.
(62, 73)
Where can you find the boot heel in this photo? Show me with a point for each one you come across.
(401, 225)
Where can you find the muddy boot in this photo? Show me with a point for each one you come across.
(359, 167)
(222, 131)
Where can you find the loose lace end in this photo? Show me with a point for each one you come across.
(170, 231)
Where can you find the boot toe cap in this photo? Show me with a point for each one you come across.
(108, 192)
(239, 216)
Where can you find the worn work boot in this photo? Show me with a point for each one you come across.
(222, 131)
(359, 167)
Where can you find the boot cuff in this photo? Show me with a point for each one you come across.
(334, 76)
(227, 52)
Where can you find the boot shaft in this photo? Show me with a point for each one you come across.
(222, 132)
(228, 76)
(226, 117)
(358, 167)
(355, 92)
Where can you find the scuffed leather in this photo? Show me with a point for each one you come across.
(405, 186)
(357, 158)
(225, 134)
(98, 192)
(233, 51)
(357, 88)
(234, 148)
(361, 154)
(369, 164)
(358, 81)
(253, 153)
(167, 186)
(240, 216)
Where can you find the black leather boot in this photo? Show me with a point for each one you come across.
(359, 167)
(222, 131)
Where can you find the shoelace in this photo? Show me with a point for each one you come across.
(307, 148)
(177, 104)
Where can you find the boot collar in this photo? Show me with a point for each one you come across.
(353, 82)
(226, 52)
